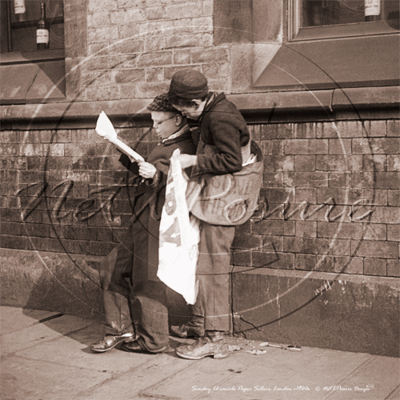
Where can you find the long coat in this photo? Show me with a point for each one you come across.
(143, 236)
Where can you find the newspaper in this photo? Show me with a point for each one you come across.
(179, 237)
(105, 128)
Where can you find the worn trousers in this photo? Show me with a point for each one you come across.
(119, 278)
(213, 274)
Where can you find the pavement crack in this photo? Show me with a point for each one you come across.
(50, 318)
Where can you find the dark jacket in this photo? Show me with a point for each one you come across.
(150, 198)
(223, 131)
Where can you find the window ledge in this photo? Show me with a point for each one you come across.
(320, 105)
(30, 77)
(31, 56)
(354, 103)
(351, 62)
(32, 82)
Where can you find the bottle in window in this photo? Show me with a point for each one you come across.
(20, 10)
(372, 10)
(42, 31)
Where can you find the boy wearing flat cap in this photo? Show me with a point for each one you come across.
(136, 258)
(223, 136)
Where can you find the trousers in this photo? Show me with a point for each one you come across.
(123, 273)
(213, 276)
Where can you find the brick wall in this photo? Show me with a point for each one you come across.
(65, 191)
(330, 199)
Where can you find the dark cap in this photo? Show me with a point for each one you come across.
(188, 84)
(161, 103)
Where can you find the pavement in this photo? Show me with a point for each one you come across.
(45, 356)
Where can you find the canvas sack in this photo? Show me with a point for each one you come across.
(228, 199)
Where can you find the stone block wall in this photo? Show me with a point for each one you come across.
(329, 202)
(65, 191)
(134, 47)
(318, 264)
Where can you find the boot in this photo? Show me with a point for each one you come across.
(137, 346)
(213, 344)
(110, 341)
(193, 328)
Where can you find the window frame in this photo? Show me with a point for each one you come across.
(13, 25)
(321, 63)
(296, 33)
(24, 57)
(26, 73)
(60, 60)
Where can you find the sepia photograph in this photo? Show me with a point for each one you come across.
(200, 199)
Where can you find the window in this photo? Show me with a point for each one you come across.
(19, 33)
(342, 18)
(335, 12)
(331, 44)
(29, 74)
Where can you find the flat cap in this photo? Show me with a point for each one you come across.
(161, 103)
(188, 84)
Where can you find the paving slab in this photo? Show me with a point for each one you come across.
(265, 375)
(134, 383)
(65, 350)
(46, 356)
(35, 379)
(40, 333)
(374, 380)
(326, 368)
(207, 373)
(13, 319)
(309, 374)
(395, 395)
